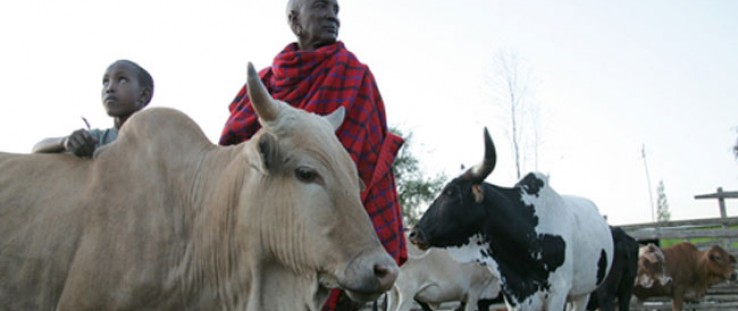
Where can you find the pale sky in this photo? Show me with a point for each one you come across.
(608, 77)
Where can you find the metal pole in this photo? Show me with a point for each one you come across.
(648, 180)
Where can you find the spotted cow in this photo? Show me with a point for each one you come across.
(547, 248)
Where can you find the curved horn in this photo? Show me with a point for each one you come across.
(262, 102)
(479, 172)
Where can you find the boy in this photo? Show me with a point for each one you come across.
(127, 88)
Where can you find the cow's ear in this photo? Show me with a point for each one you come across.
(478, 193)
(268, 149)
(263, 156)
(362, 186)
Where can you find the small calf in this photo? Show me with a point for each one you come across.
(692, 271)
(651, 267)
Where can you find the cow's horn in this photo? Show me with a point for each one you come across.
(479, 172)
(262, 102)
(335, 118)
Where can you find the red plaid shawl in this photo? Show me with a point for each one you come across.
(320, 81)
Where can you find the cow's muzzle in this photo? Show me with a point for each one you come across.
(416, 237)
(368, 277)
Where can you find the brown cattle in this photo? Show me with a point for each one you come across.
(162, 219)
(692, 272)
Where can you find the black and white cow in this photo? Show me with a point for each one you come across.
(619, 282)
(547, 248)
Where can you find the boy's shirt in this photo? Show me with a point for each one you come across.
(105, 136)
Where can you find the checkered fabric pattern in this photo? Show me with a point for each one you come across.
(320, 81)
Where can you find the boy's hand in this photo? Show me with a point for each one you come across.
(80, 143)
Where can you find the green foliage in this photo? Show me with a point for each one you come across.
(415, 190)
(662, 205)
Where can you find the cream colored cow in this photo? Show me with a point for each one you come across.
(433, 277)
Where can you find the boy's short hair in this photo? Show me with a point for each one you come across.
(143, 76)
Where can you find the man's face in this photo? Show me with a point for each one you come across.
(121, 91)
(319, 22)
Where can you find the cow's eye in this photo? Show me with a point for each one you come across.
(305, 174)
(449, 192)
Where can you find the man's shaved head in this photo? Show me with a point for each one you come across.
(315, 23)
(293, 6)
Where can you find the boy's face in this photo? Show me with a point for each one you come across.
(121, 93)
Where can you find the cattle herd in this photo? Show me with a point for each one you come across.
(162, 219)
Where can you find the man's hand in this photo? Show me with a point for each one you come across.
(80, 143)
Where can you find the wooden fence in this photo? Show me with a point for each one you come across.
(703, 233)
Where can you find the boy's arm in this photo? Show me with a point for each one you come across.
(80, 142)
(50, 145)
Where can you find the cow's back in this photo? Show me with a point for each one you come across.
(100, 233)
(591, 245)
(682, 263)
(40, 213)
(587, 242)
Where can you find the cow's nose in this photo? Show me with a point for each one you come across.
(386, 275)
(666, 281)
(415, 236)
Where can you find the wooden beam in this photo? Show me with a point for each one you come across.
(724, 194)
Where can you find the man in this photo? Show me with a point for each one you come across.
(317, 73)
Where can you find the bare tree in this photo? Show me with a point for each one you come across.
(511, 81)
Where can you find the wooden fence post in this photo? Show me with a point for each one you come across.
(720, 195)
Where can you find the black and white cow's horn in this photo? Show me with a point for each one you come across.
(262, 102)
(479, 172)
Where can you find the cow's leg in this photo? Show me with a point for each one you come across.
(471, 301)
(400, 298)
(392, 297)
(423, 305)
(624, 295)
(404, 301)
(605, 300)
(484, 304)
(677, 302)
(554, 302)
(577, 303)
